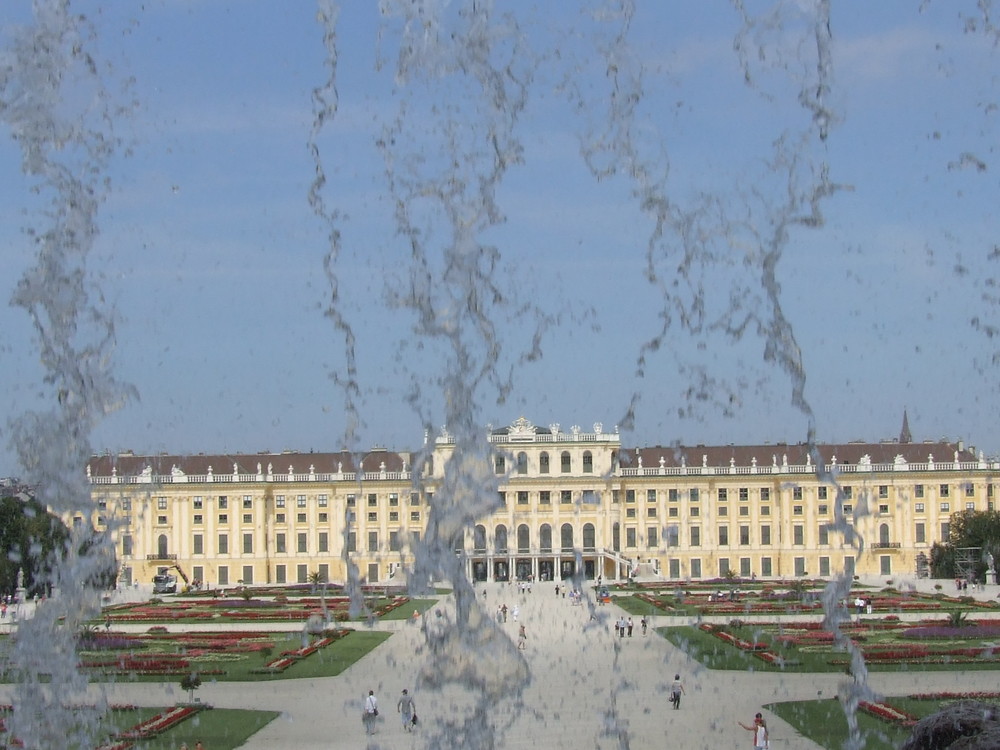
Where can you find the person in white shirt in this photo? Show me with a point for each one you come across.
(371, 712)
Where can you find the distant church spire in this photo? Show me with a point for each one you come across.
(904, 434)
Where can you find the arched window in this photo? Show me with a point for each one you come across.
(543, 463)
(479, 538)
(501, 538)
(588, 462)
(616, 538)
(566, 534)
(523, 538)
(522, 463)
(565, 463)
(545, 538)
(589, 536)
(883, 534)
(161, 546)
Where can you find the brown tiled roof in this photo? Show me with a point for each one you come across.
(246, 463)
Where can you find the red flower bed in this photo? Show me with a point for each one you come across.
(157, 724)
(889, 713)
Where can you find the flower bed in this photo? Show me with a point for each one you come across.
(889, 713)
(158, 723)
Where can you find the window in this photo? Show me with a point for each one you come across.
(765, 494)
(279, 574)
(223, 502)
(724, 567)
(223, 518)
(248, 518)
(672, 535)
(522, 497)
(300, 518)
(970, 490)
(823, 510)
(723, 510)
(944, 490)
(630, 537)
(198, 519)
(945, 507)
(824, 566)
(543, 463)
(372, 500)
(797, 493)
(629, 496)
(672, 512)
(198, 573)
(824, 534)
(630, 513)
(848, 492)
(127, 502)
(883, 508)
(798, 535)
(765, 510)
(161, 503)
(723, 536)
(565, 497)
(247, 501)
(796, 510)
(650, 496)
(918, 507)
(695, 536)
(744, 494)
(694, 495)
(696, 568)
(765, 535)
(394, 545)
(651, 511)
(918, 490)
(324, 517)
(502, 499)
(744, 535)
(300, 501)
(198, 503)
(695, 510)
(324, 501)
(279, 543)
(198, 544)
(223, 544)
(522, 463)
(302, 542)
(673, 495)
(415, 498)
(723, 494)
(744, 510)
(590, 497)
(799, 563)
(615, 496)
(373, 516)
(524, 538)
(945, 530)
(414, 515)
(351, 501)
(302, 573)
(919, 533)
(883, 491)
(970, 506)
(765, 567)
(279, 502)
(544, 497)
(323, 543)
(393, 515)
(745, 567)
(565, 464)
(223, 575)
(545, 538)
(279, 518)
(499, 464)
(126, 545)
(651, 537)
(352, 541)
(821, 493)
(848, 508)
(248, 544)
(588, 462)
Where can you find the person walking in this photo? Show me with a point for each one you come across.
(645, 624)
(676, 688)
(370, 713)
(407, 710)
(759, 729)
(522, 638)
(630, 627)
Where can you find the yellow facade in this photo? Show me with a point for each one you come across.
(565, 503)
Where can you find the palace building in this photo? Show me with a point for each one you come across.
(566, 503)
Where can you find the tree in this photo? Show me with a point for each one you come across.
(190, 682)
(968, 528)
(30, 538)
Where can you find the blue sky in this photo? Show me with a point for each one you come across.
(212, 260)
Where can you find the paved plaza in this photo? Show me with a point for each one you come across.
(586, 688)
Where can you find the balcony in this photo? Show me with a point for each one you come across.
(886, 545)
(172, 558)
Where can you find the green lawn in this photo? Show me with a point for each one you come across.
(823, 722)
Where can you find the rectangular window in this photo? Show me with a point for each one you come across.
(279, 574)
(651, 511)
(797, 494)
(695, 536)
(394, 545)
(919, 533)
(824, 566)
(745, 567)
(372, 499)
(945, 531)
(279, 543)
(672, 537)
(323, 542)
(970, 490)
(394, 516)
(848, 509)
(945, 507)
(630, 536)
(672, 512)
(302, 573)
(565, 497)
(544, 497)
(883, 508)
(415, 515)
(324, 501)
(126, 545)
(373, 516)
(324, 572)
(970, 506)
(824, 534)
(673, 495)
(744, 535)
(223, 502)
(765, 494)
(279, 517)
(223, 518)
(821, 493)
(127, 502)
(848, 492)
(723, 494)
(723, 510)
(695, 511)
(198, 544)
(918, 507)
(696, 568)
(650, 496)
(247, 502)
(161, 503)
(223, 544)
(373, 541)
(324, 517)
(198, 519)
(651, 537)
(744, 510)
(615, 497)
(765, 535)
(415, 497)
(300, 518)
(724, 567)
(502, 499)
(800, 566)
(629, 496)
(885, 565)
(744, 494)
(160, 521)
(223, 575)
(564, 461)
(918, 490)
(352, 541)
(248, 544)
(248, 574)
(302, 542)
(796, 510)
(352, 501)
(723, 536)
(522, 497)
(765, 510)
(674, 568)
(823, 510)
(248, 518)
(198, 503)
(279, 502)
(630, 513)
(300, 501)
(944, 490)
(765, 567)
(197, 573)
(883, 491)
(798, 535)
(693, 494)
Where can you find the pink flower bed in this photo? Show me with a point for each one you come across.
(157, 724)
